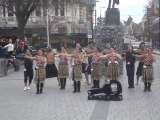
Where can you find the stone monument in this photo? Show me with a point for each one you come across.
(112, 16)
(112, 31)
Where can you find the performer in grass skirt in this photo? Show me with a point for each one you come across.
(77, 70)
(96, 71)
(148, 74)
(63, 68)
(51, 70)
(87, 66)
(104, 62)
(139, 71)
(40, 72)
(113, 67)
(84, 63)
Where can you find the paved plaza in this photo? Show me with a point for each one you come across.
(56, 104)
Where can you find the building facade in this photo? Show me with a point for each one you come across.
(68, 23)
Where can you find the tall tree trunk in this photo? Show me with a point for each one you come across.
(21, 26)
(21, 33)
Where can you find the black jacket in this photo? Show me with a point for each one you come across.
(28, 63)
(130, 58)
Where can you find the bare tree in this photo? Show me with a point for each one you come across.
(22, 10)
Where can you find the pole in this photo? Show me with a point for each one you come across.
(148, 22)
(100, 16)
(47, 28)
(95, 15)
(131, 28)
(92, 23)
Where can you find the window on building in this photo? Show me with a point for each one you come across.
(62, 8)
(10, 5)
(45, 5)
(38, 11)
(81, 14)
(10, 13)
(62, 29)
(56, 7)
(4, 11)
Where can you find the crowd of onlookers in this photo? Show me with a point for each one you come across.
(14, 45)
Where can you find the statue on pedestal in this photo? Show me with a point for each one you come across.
(113, 4)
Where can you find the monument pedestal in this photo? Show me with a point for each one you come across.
(111, 32)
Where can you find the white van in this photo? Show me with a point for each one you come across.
(135, 45)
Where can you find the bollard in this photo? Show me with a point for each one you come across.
(3, 67)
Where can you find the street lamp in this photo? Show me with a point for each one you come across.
(95, 13)
(47, 20)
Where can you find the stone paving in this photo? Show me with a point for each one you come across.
(138, 105)
(55, 104)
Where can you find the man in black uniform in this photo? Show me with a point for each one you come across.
(130, 65)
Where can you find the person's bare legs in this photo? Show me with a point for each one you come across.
(138, 77)
(86, 77)
(59, 84)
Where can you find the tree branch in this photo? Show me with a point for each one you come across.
(32, 8)
(26, 8)
(18, 8)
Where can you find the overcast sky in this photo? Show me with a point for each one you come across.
(135, 8)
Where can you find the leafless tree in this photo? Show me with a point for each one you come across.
(22, 10)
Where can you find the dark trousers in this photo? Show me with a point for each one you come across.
(63, 83)
(39, 87)
(147, 86)
(77, 86)
(95, 84)
(130, 73)
(9, 54)
(28, 74)
(131, 81)
(10, 61)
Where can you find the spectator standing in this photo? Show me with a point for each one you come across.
(28, 70)
(10, 48)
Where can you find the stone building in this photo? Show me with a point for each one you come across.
(68, 23)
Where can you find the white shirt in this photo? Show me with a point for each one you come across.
(10, 47)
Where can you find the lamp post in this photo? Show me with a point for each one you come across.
(47, 20)
(148, 25)
(95, 13)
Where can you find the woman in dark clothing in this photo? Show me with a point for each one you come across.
(130, 65)
(28, 70)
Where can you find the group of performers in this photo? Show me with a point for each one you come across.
(87, 61)
(145, 67)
